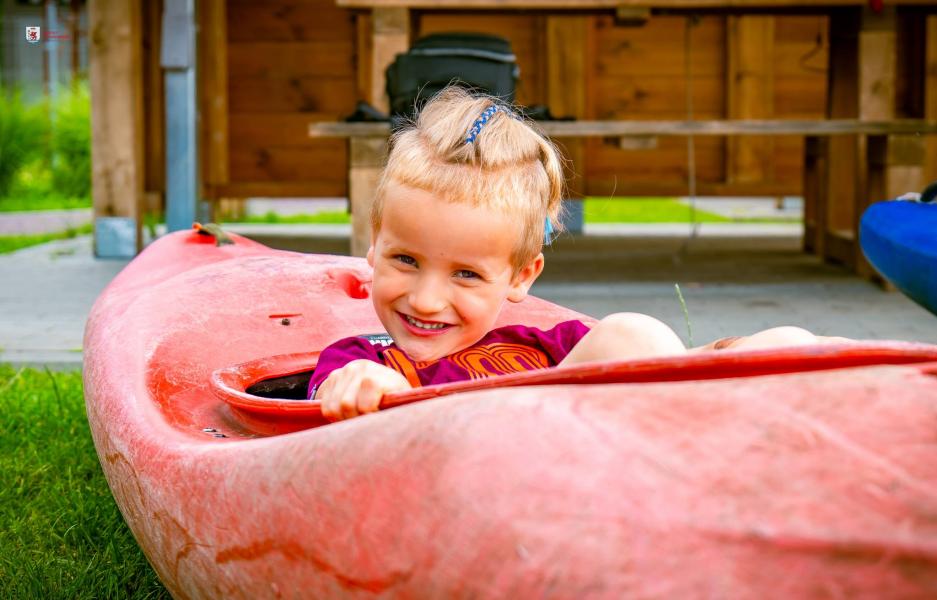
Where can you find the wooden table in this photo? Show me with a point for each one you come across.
(863, 152)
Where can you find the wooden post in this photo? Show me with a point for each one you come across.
(567, 42)
(213, 55)
(930, 96)
(750, 95)
(898, 88)
(117, 126)
(816, 155)
(365, 164)
(390, 36)
(154, 111)
(877, 79)
(835, 205)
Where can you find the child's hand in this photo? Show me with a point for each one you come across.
(357, 388)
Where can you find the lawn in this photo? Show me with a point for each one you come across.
(11, 243)
(644, 210)
(61, 534)
(41, 201)
(595, 210)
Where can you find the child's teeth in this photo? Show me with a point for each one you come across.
(416, 323)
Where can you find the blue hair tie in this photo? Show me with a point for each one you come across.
(480, 122)
(547, 231)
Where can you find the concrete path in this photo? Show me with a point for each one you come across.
(42, 221)
(732, 285)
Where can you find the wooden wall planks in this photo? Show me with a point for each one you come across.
(291, 62)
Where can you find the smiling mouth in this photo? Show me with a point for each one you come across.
(425, 325)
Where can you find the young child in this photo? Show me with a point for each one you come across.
(470, 195)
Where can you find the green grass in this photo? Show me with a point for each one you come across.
(331, 216)
(61, 534)
(595, 210)
(42, 202)
(656, 210)
(11, 243)
(644, 210)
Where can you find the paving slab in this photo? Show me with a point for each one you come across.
(47, 294)
(733, 285)
(43, 221)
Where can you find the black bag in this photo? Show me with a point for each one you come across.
(480, 62)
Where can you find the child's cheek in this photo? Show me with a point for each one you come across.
(479, 306)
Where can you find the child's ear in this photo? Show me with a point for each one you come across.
(525, 278)
(370, 254)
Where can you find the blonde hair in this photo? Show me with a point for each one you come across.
(509, 166)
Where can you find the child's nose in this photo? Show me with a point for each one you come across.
(427, 297)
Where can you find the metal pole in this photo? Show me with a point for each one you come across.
(52, 48)
(178, 60)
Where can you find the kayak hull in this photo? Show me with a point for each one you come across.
(791, 484)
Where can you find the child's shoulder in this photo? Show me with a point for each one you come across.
(572, 325)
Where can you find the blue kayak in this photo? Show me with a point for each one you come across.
(899, 238)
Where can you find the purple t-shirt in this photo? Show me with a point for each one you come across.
(504, 350)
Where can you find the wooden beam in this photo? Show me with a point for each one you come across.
(366, 161)
(877, 79)
(816, 154)
(750, 95)
(612, 4)
(831, 127)
(288, 189)
(117, 125)
(213, 73)
(567, 76)
(390, 36)
(363, 53)
(836, 203)
(154, 134)
(930, 95)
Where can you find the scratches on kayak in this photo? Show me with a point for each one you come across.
(166, 522)
(295, 551)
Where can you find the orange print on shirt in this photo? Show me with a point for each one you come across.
(399, 362)
(498, 359)
(479, 361)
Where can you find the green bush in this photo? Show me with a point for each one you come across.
(23, 136)
(45, 151)
(71, 143)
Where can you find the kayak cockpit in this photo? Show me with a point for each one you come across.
(268, 395)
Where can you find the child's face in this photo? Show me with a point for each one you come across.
(442, 271)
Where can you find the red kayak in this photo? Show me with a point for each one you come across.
(805, 472)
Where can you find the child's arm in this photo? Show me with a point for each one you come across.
(357, 388)
(625, 336)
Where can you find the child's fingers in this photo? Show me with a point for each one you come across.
(369, 395)
(348, 398)
(326, 403)
(334, 391)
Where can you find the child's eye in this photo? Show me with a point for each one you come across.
(466, 274)
(407, 260)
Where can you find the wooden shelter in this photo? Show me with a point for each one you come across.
(842, 90)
